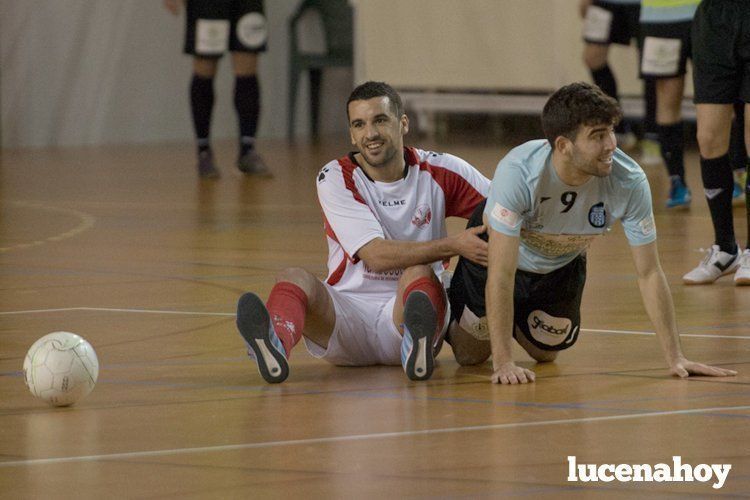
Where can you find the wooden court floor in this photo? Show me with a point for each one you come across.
(124, 246)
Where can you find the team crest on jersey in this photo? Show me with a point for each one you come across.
(322, 174)
(422, 216)
(597, 215)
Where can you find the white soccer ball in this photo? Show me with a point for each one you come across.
(61, 368)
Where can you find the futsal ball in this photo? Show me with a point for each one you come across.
(60, 368)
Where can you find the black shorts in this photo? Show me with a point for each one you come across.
(607, 23)
(215, 26)
(547, 307)
(666, 47)
(721, 52)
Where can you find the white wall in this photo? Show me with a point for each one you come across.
(78, 72)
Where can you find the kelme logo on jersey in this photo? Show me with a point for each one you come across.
(322, 174)
(422, 216)
(597, 215)
(548, 330)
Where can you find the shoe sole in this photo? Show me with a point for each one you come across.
(742, 281)
(253, 322)
(420, 323)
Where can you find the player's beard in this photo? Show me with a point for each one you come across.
(384, 158)
(591, 166)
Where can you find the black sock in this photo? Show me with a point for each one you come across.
(718, 184)
(737, 152)
(649, 120)
(247, 104)
(605, 80)
(672, 141)
(201, 105)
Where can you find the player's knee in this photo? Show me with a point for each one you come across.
(415, 272)
(710, 143)
(471, 357)
(204, 67)
(594, 59)
(467, 348)
(300, 277)
(541, 356)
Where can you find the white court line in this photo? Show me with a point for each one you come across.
(203, 313)
(110, 309)
(86, 222)
(359, 437)
(697, 335)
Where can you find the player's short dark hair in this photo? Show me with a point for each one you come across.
(368, 90)
(574, 105)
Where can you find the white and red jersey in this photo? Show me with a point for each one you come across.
(357, 210)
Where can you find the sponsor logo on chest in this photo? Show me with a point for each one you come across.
(391, 203)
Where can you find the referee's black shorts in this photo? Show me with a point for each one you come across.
(217, 26)
(721, 51)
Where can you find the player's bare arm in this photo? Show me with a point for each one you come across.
(501, 271)
(382, 255)
(657, 299)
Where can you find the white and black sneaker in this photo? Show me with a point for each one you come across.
(264, 346)
(420, 324)
(715, 265)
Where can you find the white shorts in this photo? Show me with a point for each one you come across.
(364, 333)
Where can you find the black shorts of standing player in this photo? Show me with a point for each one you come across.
(215, 26)
(608, 23)
(666, 49)
(721, 52)
(547, 308)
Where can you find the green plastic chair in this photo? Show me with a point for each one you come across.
(336, 16)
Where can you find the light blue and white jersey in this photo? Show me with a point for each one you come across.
(556, 222)
(668, 11)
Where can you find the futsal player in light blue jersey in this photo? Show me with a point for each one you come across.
(549, 199)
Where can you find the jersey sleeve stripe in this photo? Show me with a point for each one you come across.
(461, 197)
(347, 169)
(336, 275)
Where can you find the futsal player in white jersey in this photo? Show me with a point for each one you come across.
(548, 200)
(384, 208)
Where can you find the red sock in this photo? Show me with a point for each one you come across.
(287, 305)
(434, 291)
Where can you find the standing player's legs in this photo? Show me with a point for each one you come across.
(298, 304)
(249, 35)
(669, 94)
(206, 39)
(201, 107)
(595, 56)
(742, 276)
(666, 49)
(420, 314)
(718, 76)
(714, 124)
(247, 105)
(738, 157)
(606, 23)
(649, 144)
